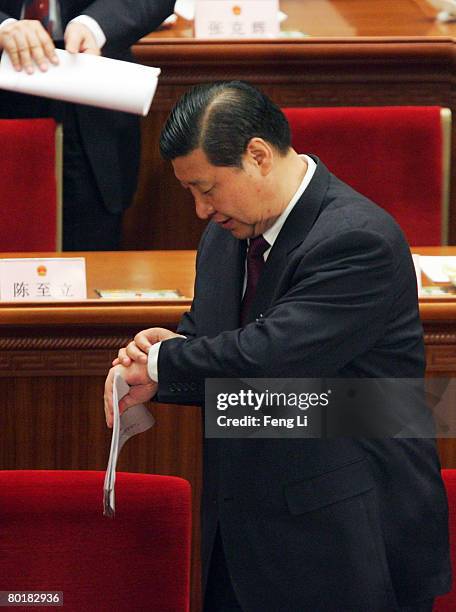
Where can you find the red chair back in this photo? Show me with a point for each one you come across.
(447, 603)
(28, 194)
(53, 537)
(393, 155)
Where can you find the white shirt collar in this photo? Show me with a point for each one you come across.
(271, 234)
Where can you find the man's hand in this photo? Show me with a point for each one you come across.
(28, 44)
(79, 39)
(137, 349)
(142, 388)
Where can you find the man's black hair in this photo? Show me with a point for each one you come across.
(221, 119)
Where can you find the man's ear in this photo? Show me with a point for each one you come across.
(260, 153)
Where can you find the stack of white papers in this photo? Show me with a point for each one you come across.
(87, 79)
(437, 268)
(133, 421)
(447, 9)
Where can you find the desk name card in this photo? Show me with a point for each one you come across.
(43, 279)
(242, 19)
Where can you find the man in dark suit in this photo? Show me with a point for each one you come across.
(101, 147)
(289, 525)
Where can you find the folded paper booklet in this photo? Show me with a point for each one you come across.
(438, 291)
(438, 268)
(133, 421)
(132, 294)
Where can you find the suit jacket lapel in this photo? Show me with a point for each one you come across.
(225, 292)
(293, 233)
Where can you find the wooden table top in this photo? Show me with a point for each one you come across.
(113, 270)
(344, 18)
(150, 270)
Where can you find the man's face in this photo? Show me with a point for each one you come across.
(235, 198)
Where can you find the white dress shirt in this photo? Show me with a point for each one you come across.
(55, 17)
(270, 235)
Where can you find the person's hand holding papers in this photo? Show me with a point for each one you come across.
(79, 39)
(142, 388)
(131, 364)
(29, 45)
(138, 349)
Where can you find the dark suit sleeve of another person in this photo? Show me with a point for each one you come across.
(122, 21)
(133, 18)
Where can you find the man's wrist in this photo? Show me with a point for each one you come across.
(152, 361)
(93, 26)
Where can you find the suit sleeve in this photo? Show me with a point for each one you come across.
(124, 22)
(187, 325)
(4, 16)
(338, 298)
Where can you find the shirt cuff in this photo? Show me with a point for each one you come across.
(152, 361)
(93, 26)
(7, 22)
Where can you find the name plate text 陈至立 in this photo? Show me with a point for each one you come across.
(42, 279)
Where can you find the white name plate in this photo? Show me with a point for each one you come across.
(42, 279)
(242, 19)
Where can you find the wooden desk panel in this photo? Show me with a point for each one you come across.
(114, 270)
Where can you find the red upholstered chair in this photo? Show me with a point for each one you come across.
(30, 177)
(397, 156)
(447, 603)
(53, 537)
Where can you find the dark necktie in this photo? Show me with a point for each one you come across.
(255, 264)
(39, 10)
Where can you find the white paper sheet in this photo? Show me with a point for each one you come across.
(417, 266)
(87, 79)
(133, 421)
(444, 5)
(436, 268)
